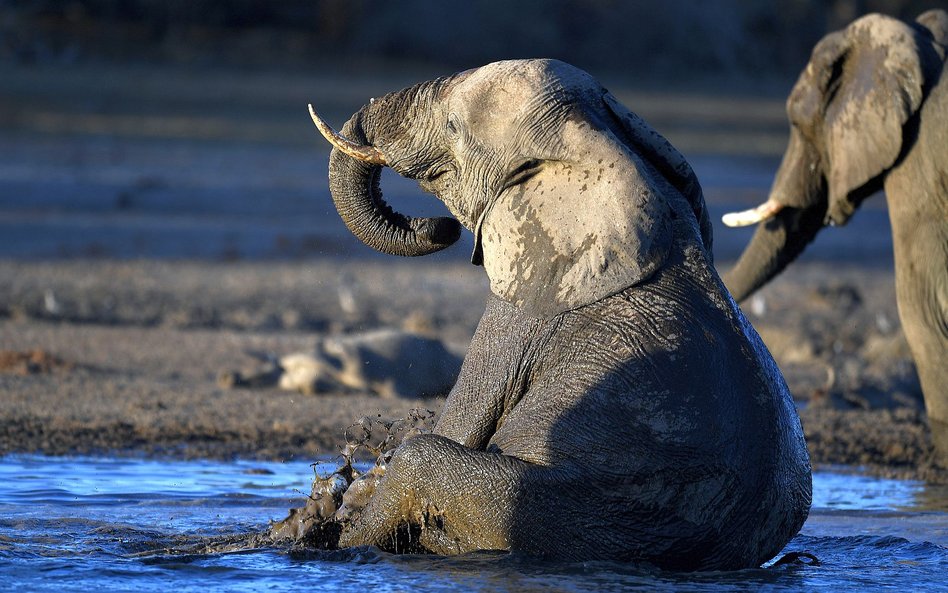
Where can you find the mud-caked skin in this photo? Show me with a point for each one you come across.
(614, 402)
(870, 112)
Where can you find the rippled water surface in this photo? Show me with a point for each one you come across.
(85, 524)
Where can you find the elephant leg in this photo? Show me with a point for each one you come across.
(922, 294)
(451, 498)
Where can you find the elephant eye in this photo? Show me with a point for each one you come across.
(453, 125)
(436, 174)
(436, 171)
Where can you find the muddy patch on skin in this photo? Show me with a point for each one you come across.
(32, 362)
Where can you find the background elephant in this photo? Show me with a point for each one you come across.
(386, 362)
(870, 111)
(614, 402)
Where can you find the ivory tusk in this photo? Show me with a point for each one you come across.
(366, 153)
(765, 211)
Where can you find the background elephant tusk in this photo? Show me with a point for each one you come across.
(765, 211)
(368, 154)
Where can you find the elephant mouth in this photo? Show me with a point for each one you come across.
(477, 256)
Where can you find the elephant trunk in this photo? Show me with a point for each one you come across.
(354, 185)
(775, 244)
(795, 211)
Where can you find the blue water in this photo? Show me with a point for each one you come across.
(84, 524)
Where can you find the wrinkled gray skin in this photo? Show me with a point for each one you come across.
(614, 403)
(870, 112)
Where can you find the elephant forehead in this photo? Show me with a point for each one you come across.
(502, 93)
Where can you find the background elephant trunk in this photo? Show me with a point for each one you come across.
(356, 193)
(775, 244)
(801, 188)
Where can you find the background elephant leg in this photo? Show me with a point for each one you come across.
(452, 498)
(921, 286)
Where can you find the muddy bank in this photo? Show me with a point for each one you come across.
(140, 348)
(126, 356)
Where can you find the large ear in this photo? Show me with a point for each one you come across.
(879, 85)
(670, 163)
(936, 23)
(582, 226)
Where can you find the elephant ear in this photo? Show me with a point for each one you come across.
(935, 23)
(670, 163)
(878, 87)
(574, 228)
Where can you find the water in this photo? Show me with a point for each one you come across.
(82, 524)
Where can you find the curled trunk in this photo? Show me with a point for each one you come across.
(354, 185)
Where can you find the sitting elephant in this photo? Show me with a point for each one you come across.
(614, 402)
(870, 112)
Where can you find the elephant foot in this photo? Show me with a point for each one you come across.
(333, 503)
(314, 525)
(940, 440)
(428, 501)
(305, 528)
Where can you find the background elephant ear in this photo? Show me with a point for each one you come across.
(670, 163)
(577, 230)
(936, 22)
(879, 87)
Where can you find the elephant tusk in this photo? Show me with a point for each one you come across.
(765, 211)
(361, 152)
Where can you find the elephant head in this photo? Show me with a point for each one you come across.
(853, 115)
(562, 186)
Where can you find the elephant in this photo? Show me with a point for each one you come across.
(614, 402)
(870, 112)
(385, 362)
(376, 362)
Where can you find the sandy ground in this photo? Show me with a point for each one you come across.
(158, 228)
